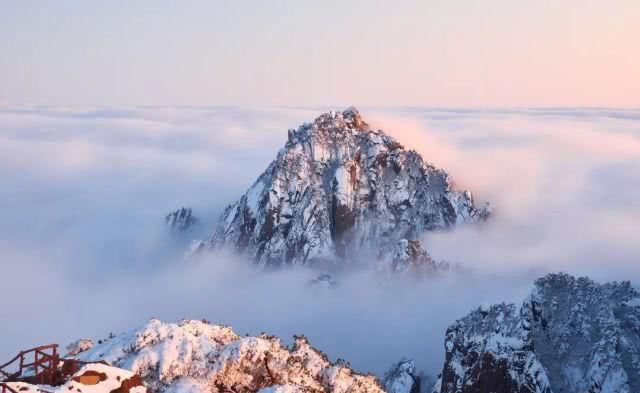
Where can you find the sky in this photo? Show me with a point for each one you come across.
(494, 53)
(85, 191)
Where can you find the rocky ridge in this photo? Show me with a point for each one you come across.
(195, 356)
(570, 335)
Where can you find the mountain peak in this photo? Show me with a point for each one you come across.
(337, 189)
(340, 128)
(350, 116)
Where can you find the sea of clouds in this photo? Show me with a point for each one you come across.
(84, 251)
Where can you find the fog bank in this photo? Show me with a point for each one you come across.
(83, 250)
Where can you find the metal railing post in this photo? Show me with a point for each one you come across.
(35, 363)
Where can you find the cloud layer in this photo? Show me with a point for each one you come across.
(563, 182)
(83, 249)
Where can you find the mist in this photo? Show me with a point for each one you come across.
(84, 251)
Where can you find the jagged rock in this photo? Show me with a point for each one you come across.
(78, 346)
(338, 188)
(407, 257)
(491, 351)
(196, 356)
(570, 335)
(402, 378)
(180, 220)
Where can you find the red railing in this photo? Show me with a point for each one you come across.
(43, 364)
(48, 368)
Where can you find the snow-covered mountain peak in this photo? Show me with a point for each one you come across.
(336, 191)
(338, 136)
(337, 123)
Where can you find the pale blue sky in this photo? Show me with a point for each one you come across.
(431, 53)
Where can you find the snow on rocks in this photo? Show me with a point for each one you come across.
(570, 335)
(402, 378)
(192, 356)
(406, 257)
(336, 188)
(78, 346)
(91, 378)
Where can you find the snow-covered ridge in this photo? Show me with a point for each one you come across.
(339, 189)
(570, 335)
(195, 356)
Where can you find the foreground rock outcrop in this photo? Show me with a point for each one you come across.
(570, 335)
(195, 356)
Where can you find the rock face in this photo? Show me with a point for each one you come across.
(338, 188)
(402, 378)
(570, 335)
(195, 356)
(491, 351)
(180, 220)
(407, 257)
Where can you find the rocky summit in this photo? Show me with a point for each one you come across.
(570, 335)
(338, 190)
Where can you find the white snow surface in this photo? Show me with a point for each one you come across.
(191, 356)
